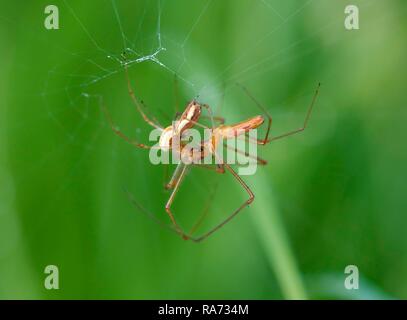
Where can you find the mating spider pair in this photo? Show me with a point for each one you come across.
(189, 119)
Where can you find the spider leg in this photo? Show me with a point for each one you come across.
(304, 126)
(175, 176)
(171, 200)
(220, 120)
(169, 185)
(263, 109)
(289, 133)
(122, 135)
(220, 225)
(259, 160)
(136, 102)
(143, 104)
(219, 167)
(148, 213)
(245, 204)
(173, 228)
(165, 176)
(207, 107)
(205, 211)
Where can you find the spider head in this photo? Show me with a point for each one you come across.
(187, 120)
(192, 112)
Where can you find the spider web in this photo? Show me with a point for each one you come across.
(83, 66)
(159, 41)
(174, 54)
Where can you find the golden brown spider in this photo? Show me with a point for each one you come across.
(188, 119)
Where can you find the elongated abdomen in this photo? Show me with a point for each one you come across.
(240, 128)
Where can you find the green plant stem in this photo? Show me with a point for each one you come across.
(273, 237)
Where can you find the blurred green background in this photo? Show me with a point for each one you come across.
(330, 197)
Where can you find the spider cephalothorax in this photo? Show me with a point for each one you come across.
(176, 130)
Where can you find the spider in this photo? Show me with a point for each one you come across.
(189, 118)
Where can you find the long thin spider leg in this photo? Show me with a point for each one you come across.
(171, 200)
(171, 228)
(175, 176)
(245, 204)
(211, 117)
(121, 134)
(259, 160)
(136, 101)
(311, 106)
(198, 239)
(220, 225)
(143, 104)
(205, 211)
(221, 120)
(165, 176)
(170, 184)
(198, 124)
(148, 213)
(247, 137)
(207, 107)
(219, 167)
(263, 109)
